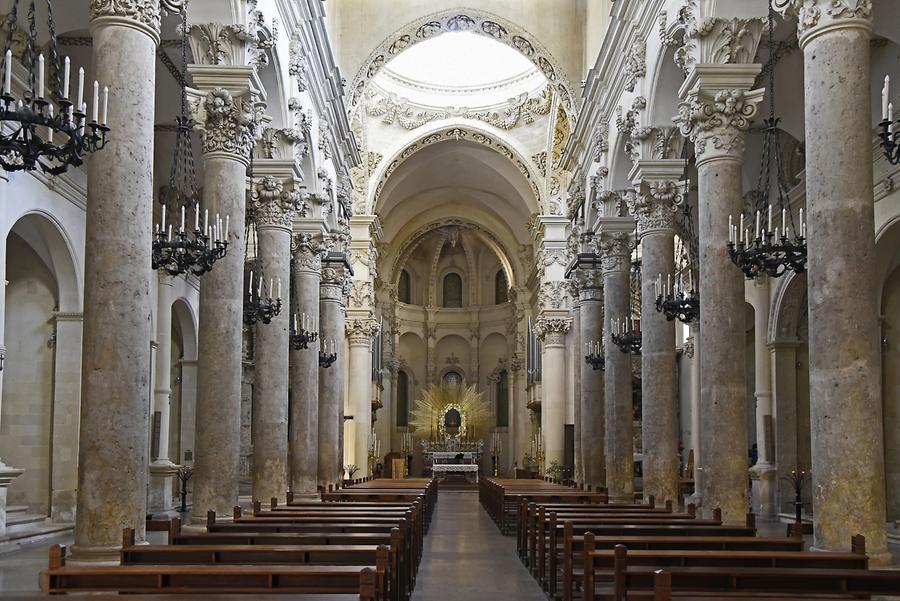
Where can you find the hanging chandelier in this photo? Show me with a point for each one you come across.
(626, 334)
(180, 251)
(327, 354)
(890, 129)
(594, 355)
(677, 301)
(773, 249)
(261, 304)
(45, 128)
(303, 331)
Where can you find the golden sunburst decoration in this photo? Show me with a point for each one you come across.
(429, 412)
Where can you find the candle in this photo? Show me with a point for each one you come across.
(40, 77)
(251, 283)
(783, 217)
(885, 96)
(295, 323)
(105, 104)
(197, 216)
(96, 109)
(163, 220)
(730, 228)
(7, 81)
(770, 218)
(757, 224)
(170, 233)
(182, 218)
(227, 218)
(80, 88)
(742, 223)
(67, 73)
(802, 229)
(279, 287)
(50, 129)
(271, 281)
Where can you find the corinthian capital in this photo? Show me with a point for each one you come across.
(271, 203)
(308, 250)
(717, 120)
(615, 248)
(552, 330)
(334, 278)
(817, 16)
(227, 124)
(655, 210)
(362, 331)
(143, 12)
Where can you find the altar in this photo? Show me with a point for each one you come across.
(452, 456)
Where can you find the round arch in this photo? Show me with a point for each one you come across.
(472, 21)
(187, 323)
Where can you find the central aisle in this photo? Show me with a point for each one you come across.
(467, 559)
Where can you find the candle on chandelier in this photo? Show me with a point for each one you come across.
(50, 128)
(67, 74)
(170, 233)
(730, 228)
(163, 219)
(885, 97)
(769, 228)
(96, 110)
(80, 88)
(295, 323)
(227, 218)
(40, 77)
(279, 287)
(802, 225)
(259, 288)
(105, 105)
(7, 80)
(251, 283)
(757, 224)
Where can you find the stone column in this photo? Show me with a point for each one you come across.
(592, 402)
(115, 383)
(274, 207)
(552, 331)
(188, 411)
(66, 401)
(655, 206)
(360, 333)
(695, 393)
(228, 131)
(847, 433)
(763, 473)
(615, 244)
(578, 365)
(304, 370)
(331, 381)
(716, 113)
(161, 468)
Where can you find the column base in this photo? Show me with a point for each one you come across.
(160, 493)
(7, 475)
(62, 506)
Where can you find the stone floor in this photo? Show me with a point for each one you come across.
(467, 559)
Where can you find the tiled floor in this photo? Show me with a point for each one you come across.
(19, 569)
(467, 559)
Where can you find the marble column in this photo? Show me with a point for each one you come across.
(274, 207)
(695, 392)
(360, 333)
(552, 331)
(161, 467)
(615, 244)
(844, 353)
(763, 473)
(655, 205)
(115, 383)
(304, 370)
(331, 381)
(188, 431)
(578, 367)
(593, 402)
(716, 113)
(66, 402)
(228, 132)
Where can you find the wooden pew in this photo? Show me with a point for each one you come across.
(216, 579)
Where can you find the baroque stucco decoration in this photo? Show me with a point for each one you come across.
(449, 134)
(472, 21)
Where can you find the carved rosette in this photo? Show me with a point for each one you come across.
(144, 12)
(307, 250)
(717, 123)
(615, 250)
(272, 205)
(362, 331)
(552, 330)
(228, 125)
(656, 210)
(817, 16)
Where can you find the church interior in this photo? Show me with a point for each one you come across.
(414, 300)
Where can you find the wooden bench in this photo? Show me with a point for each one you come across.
(202, 579)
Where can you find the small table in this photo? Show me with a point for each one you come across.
(463, 468)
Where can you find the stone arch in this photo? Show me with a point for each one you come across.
(455, 133)
(472, 21)
(183, 313)
(788, 306)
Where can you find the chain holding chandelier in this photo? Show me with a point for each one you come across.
(890, 129)
(626, 334)
(182, 250)
(46, 128)
(773, 249)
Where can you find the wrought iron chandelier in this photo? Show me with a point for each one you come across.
(261, 304)
(303, 331)
(45, 128)
(890, 129)
(327, 354)
(626, 334)
(676, 300)
(182, 250)
(774, 248)
(594, 355)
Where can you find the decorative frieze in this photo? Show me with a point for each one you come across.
(362, 295)
(552, 295)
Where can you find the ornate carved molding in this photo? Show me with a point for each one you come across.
(362, 331)
(272, 204)
(308, 252)
(717, 122)
(331, 286)
(615, 249)
(635, 64)
(710, 40)
(600, 142)
(814, 16)
(656, 143)
(362, 295)
(656, 209)
(227, 124)
(553, 295)
(145, 12)
(297, 64)
(552, 330)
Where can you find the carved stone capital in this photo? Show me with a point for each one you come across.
(717, 121)
(587, 283)
(615, 249)
(362, 331)
(308, 250)
(816, 17)
(227, 124)
(331, 286)
(272, 204)
(655, 209)
(144, 14)
(656, 143)
(552, 330)
(709, 40)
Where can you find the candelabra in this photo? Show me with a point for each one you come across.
(677, 302)
(300, 336)
(627, 336)
(594, 355)
(34, 120)
(496, 450)
(177, 252)
(259, 308)
(326, 357)
(537, 450)
(374, 451)
(797, 479)
(184, 474)
(890, 129)
(406, 450)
